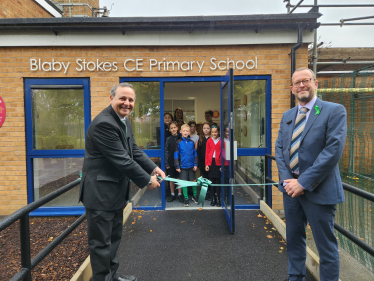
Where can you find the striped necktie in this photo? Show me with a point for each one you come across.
(124, 123)
(295, 142)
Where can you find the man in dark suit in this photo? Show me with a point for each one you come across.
(111, 160)
(310, 143)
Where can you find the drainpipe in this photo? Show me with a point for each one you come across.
(293, 58)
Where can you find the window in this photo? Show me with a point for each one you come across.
(57, 117)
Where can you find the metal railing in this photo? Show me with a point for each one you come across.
(359, 192)
(27, 264)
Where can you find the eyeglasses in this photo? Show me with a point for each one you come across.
(306, 82)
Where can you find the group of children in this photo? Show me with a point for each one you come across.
(186, 151)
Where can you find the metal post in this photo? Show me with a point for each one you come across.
(24, 228)
(265, 189)
(288, 5)
(293, 59)
(351, 157)
(315, 58)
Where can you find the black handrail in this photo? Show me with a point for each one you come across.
(23, 215)
(347, 187)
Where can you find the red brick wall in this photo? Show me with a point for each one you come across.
(22, 9)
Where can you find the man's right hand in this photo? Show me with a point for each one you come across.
(154, 184)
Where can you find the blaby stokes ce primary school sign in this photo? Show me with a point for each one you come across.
(136, 64)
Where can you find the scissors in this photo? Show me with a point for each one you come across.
(160, 180)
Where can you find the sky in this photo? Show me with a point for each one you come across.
(333, 36)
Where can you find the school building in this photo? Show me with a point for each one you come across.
(56, 74)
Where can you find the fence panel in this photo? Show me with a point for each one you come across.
(356, 92)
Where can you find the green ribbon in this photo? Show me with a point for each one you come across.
(204, 183)
(317, 109)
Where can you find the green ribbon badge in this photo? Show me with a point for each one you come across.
(317, 109)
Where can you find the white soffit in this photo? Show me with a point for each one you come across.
(196, 38)
(48, 8)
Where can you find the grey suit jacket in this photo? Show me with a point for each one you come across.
(110, 161)
(321, 146)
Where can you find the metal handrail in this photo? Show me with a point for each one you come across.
(36, 204)
(350, 188)
(23, 215)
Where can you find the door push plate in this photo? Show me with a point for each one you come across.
(227, 151)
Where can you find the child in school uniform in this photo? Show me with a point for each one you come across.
(213, 164)
(169, 160)
(167, 119)
(194, 137)
(201, 150)
(185, 162)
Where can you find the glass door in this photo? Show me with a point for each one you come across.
(228, 148)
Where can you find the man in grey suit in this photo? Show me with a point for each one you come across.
(111, 160)
(310, 143)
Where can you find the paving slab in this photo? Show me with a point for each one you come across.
(197, 245)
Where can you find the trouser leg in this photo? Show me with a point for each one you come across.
(183, 175)
(99, 230)
(296, 222)
(321, 220)
(116, 240)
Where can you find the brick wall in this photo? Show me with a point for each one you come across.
(15, 66)
(22, 9)
(79, 10)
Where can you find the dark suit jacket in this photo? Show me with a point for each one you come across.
(110, 162)
(321, 146)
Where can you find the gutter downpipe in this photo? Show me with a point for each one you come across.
(293, 58)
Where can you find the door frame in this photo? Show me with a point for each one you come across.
(241, 151)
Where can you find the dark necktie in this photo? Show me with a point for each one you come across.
(295, 142)
(124, 123)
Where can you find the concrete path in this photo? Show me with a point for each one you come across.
(198, 245)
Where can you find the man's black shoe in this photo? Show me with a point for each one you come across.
(123, 278)
(126, 278)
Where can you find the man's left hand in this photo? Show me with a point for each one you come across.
(293, 188)
(159, 172)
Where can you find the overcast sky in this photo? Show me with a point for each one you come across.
(346, 36)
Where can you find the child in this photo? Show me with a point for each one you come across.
(213, 164)
(201, 150)
(193, 136)
(199, 128)
(209, 116)
(169, 160)
(185, 162)
(178, 114)
(167, 119)
(180, 122)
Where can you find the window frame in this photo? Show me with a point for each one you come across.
(31, 153)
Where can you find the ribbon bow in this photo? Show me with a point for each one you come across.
(204, 183)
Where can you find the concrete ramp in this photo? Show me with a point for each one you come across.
(197, 245)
